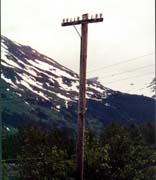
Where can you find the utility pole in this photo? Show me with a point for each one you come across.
(82, 87)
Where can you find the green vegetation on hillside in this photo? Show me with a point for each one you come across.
(117, 153)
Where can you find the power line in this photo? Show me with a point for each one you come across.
(121, 62)
(139, 89)
(129, 78)
(27, 99)
(114, 81)
(143, 67)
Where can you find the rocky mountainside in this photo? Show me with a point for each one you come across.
(35, 89)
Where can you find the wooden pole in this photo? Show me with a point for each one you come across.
(82, 101)
(82, 87)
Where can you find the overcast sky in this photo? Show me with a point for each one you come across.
(127, 32)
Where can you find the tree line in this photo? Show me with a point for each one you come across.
(118, 152)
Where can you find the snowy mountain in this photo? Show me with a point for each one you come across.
(35, 89)
(42, 75)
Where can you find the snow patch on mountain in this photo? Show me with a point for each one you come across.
(63, 97)
(43, 76)
(8, 81)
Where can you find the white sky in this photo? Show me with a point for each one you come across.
(128, 31)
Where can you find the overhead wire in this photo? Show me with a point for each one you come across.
(114, 81)
(109, 82)
(121, 62)
(116, 74)
(145, 86)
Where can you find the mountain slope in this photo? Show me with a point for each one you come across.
(35, 89)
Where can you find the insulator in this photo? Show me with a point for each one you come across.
(63, 20)
(67, 20)
(74, 19)
(100, 15)
(78, 18)
(70, 19)
(96, 15)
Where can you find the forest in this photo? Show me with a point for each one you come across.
(117, 152)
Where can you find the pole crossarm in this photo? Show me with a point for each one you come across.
(84, 20)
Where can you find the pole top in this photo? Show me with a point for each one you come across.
(84, 20)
